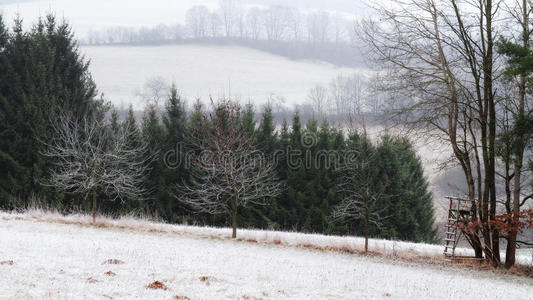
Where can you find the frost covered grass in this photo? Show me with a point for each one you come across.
(65, 257)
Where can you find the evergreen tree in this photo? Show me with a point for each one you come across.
(42, 73)
(130, 124)
(266, 133)
(153, 134)
(175, 124)
(248, 120)
(296, 178)
(115, 123)
(410, 204)
(196, 120)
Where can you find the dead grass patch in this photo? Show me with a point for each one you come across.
(206, 279)
(246, 297)
(182, 298)
(157, 285)
(110, 273)
(92, 280)
(113, 261)
(139, 226)
(7, 263)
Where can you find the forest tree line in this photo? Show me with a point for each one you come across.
(281, 30)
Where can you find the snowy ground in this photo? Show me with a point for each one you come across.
(58, 257)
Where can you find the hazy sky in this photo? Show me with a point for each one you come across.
(84, 15)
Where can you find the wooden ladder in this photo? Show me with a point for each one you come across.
(458, 212)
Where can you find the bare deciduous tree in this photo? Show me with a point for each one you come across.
(516, 108)
(441, 54)
(240, 19)
(229, 172)
(346, 95)
(227, 12)
(318, 27)
(197, 21)
(276, 20)
(361, 200)
(295, 24)
(89, 159)
(214, 24)
(254, 19)
(155, 91)
(318, 96)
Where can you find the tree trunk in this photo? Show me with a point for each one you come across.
(234, 222)
(94, 206)
(510, 253)
(366, 237)
(366, 230)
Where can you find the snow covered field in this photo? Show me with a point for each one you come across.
(200, 71)
(56, 257)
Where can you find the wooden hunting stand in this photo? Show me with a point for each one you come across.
(459, 213)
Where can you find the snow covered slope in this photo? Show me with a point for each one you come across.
(120, 71)
(54, 257)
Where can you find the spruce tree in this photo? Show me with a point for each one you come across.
(409, 201)
(175, 124)
(42, 73)
(266, 135)
(153, 134)
(248, 120)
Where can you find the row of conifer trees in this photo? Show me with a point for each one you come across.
(43, 72)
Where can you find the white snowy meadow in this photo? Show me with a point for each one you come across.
(204, 71)
(56, 257)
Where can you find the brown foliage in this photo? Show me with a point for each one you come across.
(504, 224)
(157, 285)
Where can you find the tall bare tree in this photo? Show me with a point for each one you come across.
(276, 21)
(318, 27)
(346, 95)
(197, 21)
(90, 160)
(214, 24)
(515, 108)
(229, 172)
(441, 54)
(295, 24)
(228, 15)
(254, 21)
(318, 97)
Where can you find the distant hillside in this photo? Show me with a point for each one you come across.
(203, 71)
